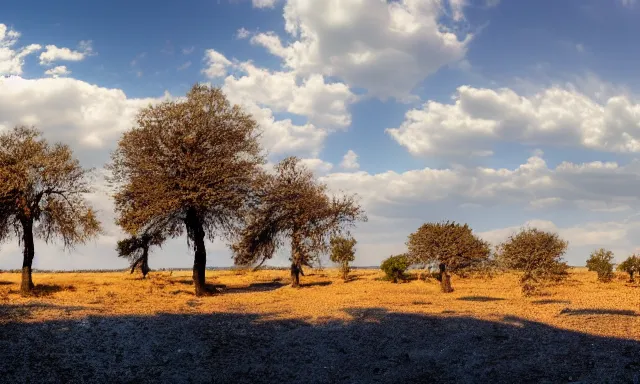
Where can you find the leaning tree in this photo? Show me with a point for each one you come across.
(136, 248)
(190, 164)
(451, 245)
(42, 194)
(294, 205)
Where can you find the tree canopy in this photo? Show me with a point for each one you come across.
(42, 194)
(631, 266)
(343, 253)
(189, 165)
(536, 253)
(294, 206)
(451, 245)
(601, 261)
(394, 267)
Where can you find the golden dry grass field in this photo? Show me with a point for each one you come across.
(100, 327)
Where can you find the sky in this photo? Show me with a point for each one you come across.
(501, 114)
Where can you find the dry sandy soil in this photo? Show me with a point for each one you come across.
(115, 327)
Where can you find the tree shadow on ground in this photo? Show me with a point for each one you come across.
(551, 301)
(482, 299)
(6, 283)
(257, 287)
(315, 284)
(593, 311)
(42, 290)
(374, 346)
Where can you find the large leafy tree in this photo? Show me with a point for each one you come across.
(42, 194)
(189, 166)
(451, 245)
(294, 206)
(538, 254)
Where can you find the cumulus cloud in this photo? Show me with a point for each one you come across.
(384, 47)
(350, 160)
(12, 59)
(324, 104)
(556, 116)
(594, 186)
(58, 71)
(69, 110)
(53, 53)
(217, 64)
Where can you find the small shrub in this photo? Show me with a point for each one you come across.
(343, 253)
(600, 261)
(395, 267)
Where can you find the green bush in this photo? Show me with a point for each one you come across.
(631, 266)
(394, 267)
(537, 254)
(343, 253)
(600, 261)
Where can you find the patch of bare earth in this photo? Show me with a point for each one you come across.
(115, 327)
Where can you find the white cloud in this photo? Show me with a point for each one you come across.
(605, 234)
(580, 48)
(53, 53)
(58, 71)
(384, 47)
(11, 59)
(457, 9)
(69, 110)
(317, 166)
(323, 104)
(282, 136)
(217, 64)
(263, 3)
(593, 186)
(556, 116)
(350, 160)
(242, 33)
(188, 50)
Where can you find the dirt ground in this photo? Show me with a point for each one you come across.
(116, 327)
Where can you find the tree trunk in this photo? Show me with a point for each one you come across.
(295, 274)
(196, 232)
(631, 280)
(145, 262)
(29, 250)
(296, 260)
(345, 272)
(445, 279)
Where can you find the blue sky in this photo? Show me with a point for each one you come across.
(496, 113)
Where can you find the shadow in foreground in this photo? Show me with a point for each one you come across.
(376, 346)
